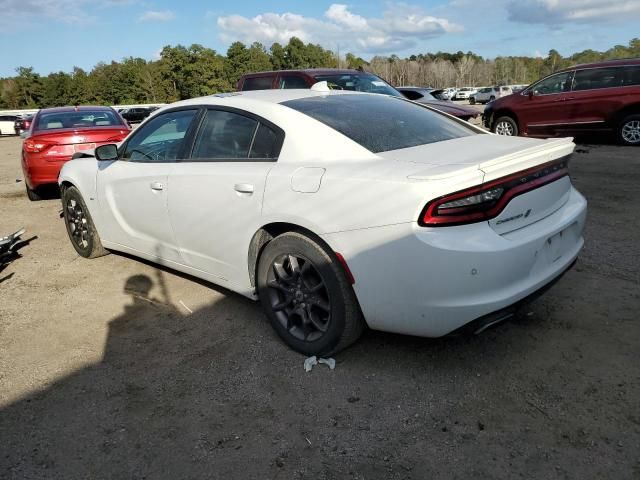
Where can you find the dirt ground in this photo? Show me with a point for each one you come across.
(114, 368)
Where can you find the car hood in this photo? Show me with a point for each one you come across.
(451, 109)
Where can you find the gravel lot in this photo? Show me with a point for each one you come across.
(106, 373)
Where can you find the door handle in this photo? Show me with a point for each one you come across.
(157, 186)
(243, 188)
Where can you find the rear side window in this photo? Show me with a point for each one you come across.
(380, 123)
(257, 83)
(597, 78)
(265, 143)
(227, 135)
(631, 75)
(292, 81)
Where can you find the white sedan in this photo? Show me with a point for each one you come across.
(337, 210)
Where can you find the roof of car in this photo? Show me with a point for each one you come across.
(268, 96)
(607, 63)
(79, 108)
(308, 71)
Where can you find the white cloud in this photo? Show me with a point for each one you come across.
(565, 11)
(156, 16)
(400, 27)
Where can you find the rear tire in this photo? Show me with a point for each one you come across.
(305, 293)
(472, 100)
(505, 126)
(492, 98)
(33, 195)
(80, 227)
(629, 130)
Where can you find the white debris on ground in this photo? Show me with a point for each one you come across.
(311, 361)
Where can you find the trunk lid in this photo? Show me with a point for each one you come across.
(495, 157)
(66, 142)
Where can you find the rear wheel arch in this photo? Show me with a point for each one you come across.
(633, 109)
(268, 232)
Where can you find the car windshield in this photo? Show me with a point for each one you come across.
(358, 82)
(79, 119)
(380, 123)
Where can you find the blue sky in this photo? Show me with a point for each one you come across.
(54, 35)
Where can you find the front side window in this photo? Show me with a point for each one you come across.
(597, 78)
(161, 138)
(257, 83)
(231, 136)
(631, 75)
(292, 81)
(558, 83)
(380, 123)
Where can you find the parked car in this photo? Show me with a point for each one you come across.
(518, 88)
(449, 93)
(22, 124)
(6, 124)
(425, 96)
(489, 94)
(596, 97)
(337, 79)
(284, 196)
(58, 133)
(464, 93)
(136, 114)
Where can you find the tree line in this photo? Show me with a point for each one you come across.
(186, 72)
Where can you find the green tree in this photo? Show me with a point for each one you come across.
(241, 60)
(278, 57)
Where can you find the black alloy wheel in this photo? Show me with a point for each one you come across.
(299, 297)
(306, 294)
(80, 227)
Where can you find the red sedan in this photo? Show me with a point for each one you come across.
(57, 133)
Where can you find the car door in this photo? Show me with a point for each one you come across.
(546, 107)
(133, 190)
(597, 93)
(215, 201)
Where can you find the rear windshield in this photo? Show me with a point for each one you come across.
(380, 123)
(358, 82)
(80, 119)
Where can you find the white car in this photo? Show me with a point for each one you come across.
(449, 93)
(335, 209)
(464, 93)
(7, 124)
(489, 94)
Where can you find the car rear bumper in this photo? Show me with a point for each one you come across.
(432, 281)
(38, 171)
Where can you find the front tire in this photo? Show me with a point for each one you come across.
(472, 100)
(505, 126)
(80, 227)
(307, 297)
(629, 130)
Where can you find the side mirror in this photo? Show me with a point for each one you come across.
(107, 152)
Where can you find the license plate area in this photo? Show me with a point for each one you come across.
(79, 147)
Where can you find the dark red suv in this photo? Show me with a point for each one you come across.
(597, 97)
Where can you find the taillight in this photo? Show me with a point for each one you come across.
(484, 202)
(35, 146)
